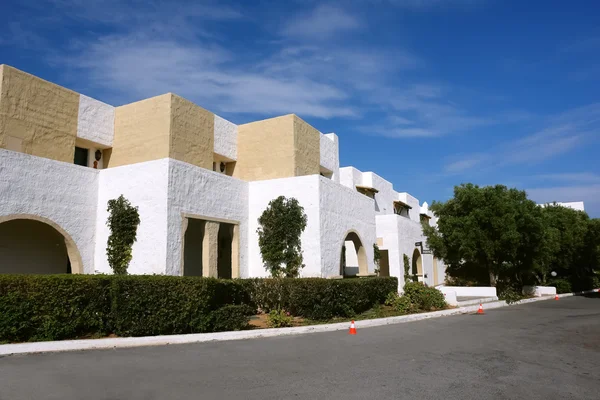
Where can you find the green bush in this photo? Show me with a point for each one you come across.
(424, 297)
(561, 285)
(402, 304)
(55, 307)
(231, 317)
(167, 305)
(279, 319)
(510, 294)
(318, 298)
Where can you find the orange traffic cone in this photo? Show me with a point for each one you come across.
(480, 311)
(556, 297)
(352, 329)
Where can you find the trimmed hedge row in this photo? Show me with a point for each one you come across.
(55, 307)
(318, 298)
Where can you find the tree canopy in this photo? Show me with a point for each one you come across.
(279, 231)
(493, 233)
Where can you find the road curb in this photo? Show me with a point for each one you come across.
(115, 343)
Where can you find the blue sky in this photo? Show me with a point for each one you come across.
(426, 93)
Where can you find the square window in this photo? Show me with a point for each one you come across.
(81, 156)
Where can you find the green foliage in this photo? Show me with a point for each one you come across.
(280, 227)
(509, 293)
(376, 257)
(55, 307)
(279, 319)
(123, 220)
(408, 277)
(494, 234)
(401, 304)
(486, 232)
(166, 305)
(318, 298)
(423, 297)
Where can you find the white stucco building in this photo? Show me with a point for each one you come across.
(199, 181)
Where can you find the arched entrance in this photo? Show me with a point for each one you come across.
(34, 245)
(417, 265)
(353, 256)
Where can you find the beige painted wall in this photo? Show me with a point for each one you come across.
(265, 149)
(37, 117)
(192, 133)
(160, 127)
(279, 147)
(141, 132)
(307, 141)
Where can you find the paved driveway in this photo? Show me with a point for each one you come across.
(544, 350)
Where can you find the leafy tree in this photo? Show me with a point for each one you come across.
(280, 227)
(123, 220)
(484, 233)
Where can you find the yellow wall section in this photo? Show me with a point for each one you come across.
(279, 147)
(266, 149)
(141, 131)
(192, 133)
(307, 142)
(161, 127)
(37, 116)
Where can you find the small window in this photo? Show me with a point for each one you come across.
(81, 156)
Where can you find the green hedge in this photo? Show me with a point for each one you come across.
(318, 298)
(55, 307)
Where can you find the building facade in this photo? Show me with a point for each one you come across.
(200, 183)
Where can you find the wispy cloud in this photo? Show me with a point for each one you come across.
(573, 177)
(428, 5)
(563, 133)
(463, 163)
(323, 21)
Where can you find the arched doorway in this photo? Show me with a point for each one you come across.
(353, 257)
(417, 265)
(34, 245)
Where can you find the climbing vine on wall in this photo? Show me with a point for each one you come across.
(123, 221)
(376, 257)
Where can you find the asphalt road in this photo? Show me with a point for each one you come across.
(543, 350)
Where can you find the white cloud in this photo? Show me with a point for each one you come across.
(140, 67)
(563, 133)
(589, 194)
(464, 163)
(322, 22)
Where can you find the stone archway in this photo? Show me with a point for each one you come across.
(353, 256)
(417, 265)
(36, 245)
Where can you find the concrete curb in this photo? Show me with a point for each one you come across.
(114, 343)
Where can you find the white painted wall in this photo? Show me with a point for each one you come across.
(539, 291)
(145, 186)
(225, 138)
(329, 153)
(306, 190)
(469, 291)
(350, 177)
(343, 210)
(63, 193)
(206, 195)
(96, 121)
